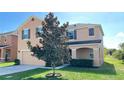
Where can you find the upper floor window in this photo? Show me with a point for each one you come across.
(26, 33)
(72, 34)
(91, 31)
(38, 29)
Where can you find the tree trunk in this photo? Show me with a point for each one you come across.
(53, 65)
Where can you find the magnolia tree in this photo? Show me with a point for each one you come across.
(54, 51)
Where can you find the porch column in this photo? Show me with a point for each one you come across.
(2, 54)
(96, 57)
(74, 53)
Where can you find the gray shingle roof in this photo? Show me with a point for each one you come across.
(9, 33)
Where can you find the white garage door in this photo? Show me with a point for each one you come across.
(27, 58)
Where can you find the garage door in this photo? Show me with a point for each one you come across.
(28, 59)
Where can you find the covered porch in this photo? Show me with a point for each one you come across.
(84, 53)
(87, 52)
(4, 53)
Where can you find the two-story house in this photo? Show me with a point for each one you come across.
(8, 46)
(85, 41)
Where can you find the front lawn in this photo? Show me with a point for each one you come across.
(5, 64)
(111, 70)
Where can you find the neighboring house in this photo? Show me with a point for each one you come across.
(8, 46)
(86, 41)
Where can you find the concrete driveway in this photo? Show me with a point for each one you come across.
(15, 69)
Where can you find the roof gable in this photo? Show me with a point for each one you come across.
(28, 20)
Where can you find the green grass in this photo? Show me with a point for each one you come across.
(112, 69)
(5, 64)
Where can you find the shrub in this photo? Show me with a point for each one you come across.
(17, 62)
(119, 55)
(81, 62)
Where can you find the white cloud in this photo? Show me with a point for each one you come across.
(120, 34)
(114, 41)
(111, 43)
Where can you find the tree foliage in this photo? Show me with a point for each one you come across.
(119, 54)
(54, 51)
(111, 51)
(121, 46)
(105, 51)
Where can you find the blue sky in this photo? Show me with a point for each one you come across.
(112, 23)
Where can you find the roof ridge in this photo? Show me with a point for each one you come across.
(5, 33)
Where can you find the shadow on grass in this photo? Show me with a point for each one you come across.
(23, 75)
(44, 78)
(28, 75)
(106, 68)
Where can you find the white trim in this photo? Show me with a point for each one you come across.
(83, 45)
(74, 55)
(40, 26)
(24, 50)
(26, 39)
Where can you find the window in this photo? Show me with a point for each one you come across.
(91, 31)
(72, 34)
(91, 53)
(38, 29)
(26, 34)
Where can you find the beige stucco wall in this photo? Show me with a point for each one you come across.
(23, 52)
(83, 33)
(13, 47)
